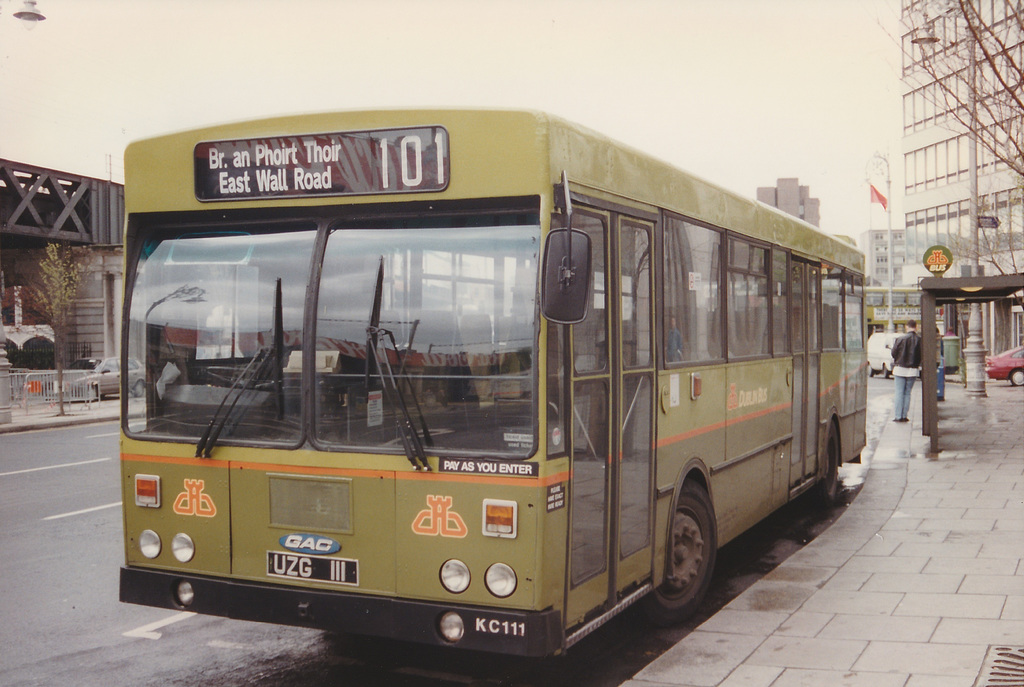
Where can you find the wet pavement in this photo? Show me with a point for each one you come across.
(919, 583)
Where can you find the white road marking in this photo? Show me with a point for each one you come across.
(82, 512)
(54, 467)
(221, 644)
(149, 631)
(102, 436)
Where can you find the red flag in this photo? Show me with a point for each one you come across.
(877, 197)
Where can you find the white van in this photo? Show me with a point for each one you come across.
(880, 352)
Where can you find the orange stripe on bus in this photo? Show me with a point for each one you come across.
(667, 441)
(310, 470)
(720, 425)
(485, 479)
(845, 378)
(172, 460)
(354, 472)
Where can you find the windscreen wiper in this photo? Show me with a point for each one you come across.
(410, 437)
(243, 382)
(427, 439)
(254, 370)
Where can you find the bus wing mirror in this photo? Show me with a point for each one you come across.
(566, 277)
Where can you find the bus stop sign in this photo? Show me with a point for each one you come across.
(937, 260)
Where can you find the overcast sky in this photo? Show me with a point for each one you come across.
(740, 92)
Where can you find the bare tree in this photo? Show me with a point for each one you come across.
(977, 67)
(967, 58)
(55, 291)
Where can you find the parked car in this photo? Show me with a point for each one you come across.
(106, 375)
(880, 352)
(1007, 365)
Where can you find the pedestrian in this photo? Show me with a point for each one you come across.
(906, 364)
(674, 346)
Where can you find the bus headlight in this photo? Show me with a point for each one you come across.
(149, 544)
(451, 627)
(455, 575)
(183, 547)
(184, 593)
(500, 580)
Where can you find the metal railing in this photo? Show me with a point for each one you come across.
(35, 388)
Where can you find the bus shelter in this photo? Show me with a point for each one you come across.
(937, 291)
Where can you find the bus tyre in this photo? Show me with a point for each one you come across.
(828, 486)
(692, 546)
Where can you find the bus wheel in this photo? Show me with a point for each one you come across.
(828, 487)
(692, 545)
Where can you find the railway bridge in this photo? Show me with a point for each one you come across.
(39, 206)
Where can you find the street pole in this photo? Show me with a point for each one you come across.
(5, 380)
(974, 351)
(874, 167)
(891, 327)
(5, 364)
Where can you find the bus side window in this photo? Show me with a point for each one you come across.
(692, 300)
(854, 312)
(590, 337)
(748, 300)
(780, 302)
(832, 308)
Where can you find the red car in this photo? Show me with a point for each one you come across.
(1007, 365)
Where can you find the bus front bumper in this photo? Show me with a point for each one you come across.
(522, 633)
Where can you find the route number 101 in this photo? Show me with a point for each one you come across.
(410, 157)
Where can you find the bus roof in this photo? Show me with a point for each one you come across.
(493, 153)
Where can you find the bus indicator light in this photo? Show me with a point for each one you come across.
(147, 491)
(500, 518)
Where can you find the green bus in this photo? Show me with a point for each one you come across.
(476, 379)
(906, 306)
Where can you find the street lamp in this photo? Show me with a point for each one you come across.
(29, 14)
(5, 371)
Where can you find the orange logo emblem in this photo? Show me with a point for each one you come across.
(937, 258)
(439, 519)
(193, 501)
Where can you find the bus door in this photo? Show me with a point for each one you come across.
(613, 397)
(805, 324)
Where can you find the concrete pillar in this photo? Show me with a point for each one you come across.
(5, 379)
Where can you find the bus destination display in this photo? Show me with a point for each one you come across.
(412, 160)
